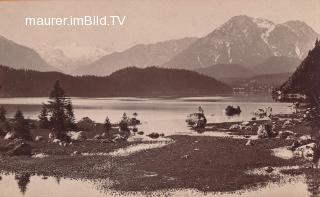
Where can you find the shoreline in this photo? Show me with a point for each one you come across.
(208, 164)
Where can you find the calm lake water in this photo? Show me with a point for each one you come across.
(36, 186)
(157, 115)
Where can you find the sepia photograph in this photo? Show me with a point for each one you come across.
(172, 98)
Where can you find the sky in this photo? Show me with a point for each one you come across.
(148, 21)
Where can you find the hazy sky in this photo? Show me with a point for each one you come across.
(147, 20)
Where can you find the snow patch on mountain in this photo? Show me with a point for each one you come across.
(268, 27)
(68, 57)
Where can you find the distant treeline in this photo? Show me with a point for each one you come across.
(132, 81)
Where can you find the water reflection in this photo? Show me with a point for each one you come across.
(313, 183)
(307, 184)
(23, 180)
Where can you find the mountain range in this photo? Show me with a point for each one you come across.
(247, 41)
(141, 55)
(21, 57)
(151, 81)
(67, 58)
(240, 48)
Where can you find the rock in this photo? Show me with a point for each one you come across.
(307, 151)
(44, 177)
(185, 157)
(62, 144)
(304, 138)
(76, 153)
(262, 132)
(253, 118)
(134, 130)
(161, 134)
(51, 136)
(40, 155)
(265, 131)
(140, 132)
(118, 137)
(56, 141)
(248, 128)
(154, 135)
(286, 134)
(76, 136)
(10, 136)
(230, 110)
(287, 123)
(234, 127)
(97, 137)
(246, 123)
(269, 169)
(249, 143)
(22, 149)
(39, 138)
(197, 120)
(106, 141)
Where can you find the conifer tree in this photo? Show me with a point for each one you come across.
(107, 126)
(21, 127)
(3, 114)
(56, 107)
(43, 118)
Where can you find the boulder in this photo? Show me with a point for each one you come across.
(39, 138)
(230, 110)
(185, 157)
(302, 140)
(10, 136)
(265, 131)
(97, 137)
(40, 155)
(56, 141)
(119, 137)
(246, 123)
(197, 120)
(249, 143)
(248, 128)
(22, 149)
(286, 134)
(269, 169)
(76, 153)
(287, 123)
(76, 136)
(154, 135)
(140, 132)
(307, 151)
(234, 127)
(51, 136)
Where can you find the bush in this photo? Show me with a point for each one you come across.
(86, 124)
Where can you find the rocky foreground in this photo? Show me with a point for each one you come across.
(217, 159)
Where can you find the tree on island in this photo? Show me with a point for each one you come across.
(3, 113)
(124, 126)
(4, 123)
(61, 116)
(43, 119)
(21, 126)
(107, 127)
(70, 120)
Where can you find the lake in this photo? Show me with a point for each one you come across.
(24, 185)
(164, 115)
